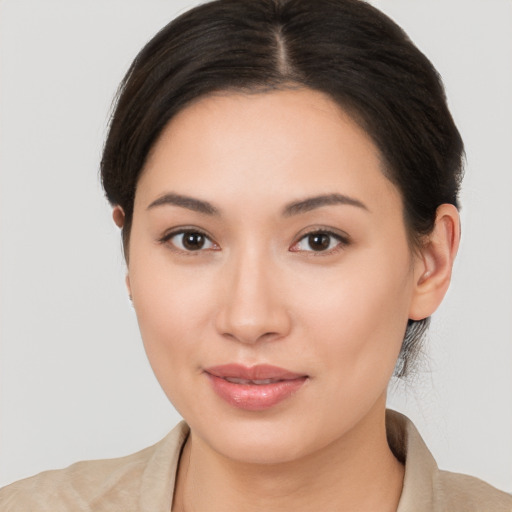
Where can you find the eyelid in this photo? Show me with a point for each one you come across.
(343, 239)
(168, 235)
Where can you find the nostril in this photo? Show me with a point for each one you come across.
(248, 336)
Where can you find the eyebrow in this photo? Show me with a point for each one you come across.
(190, 203)
(312, 203)
(294, 208)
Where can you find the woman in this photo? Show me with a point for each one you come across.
(285, 175)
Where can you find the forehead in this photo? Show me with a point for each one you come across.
(268, 147)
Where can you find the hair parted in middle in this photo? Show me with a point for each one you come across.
(346, 49)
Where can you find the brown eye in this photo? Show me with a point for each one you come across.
(319, 241)
(189, 241)
(193, 241)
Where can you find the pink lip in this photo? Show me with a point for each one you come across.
(254, 396)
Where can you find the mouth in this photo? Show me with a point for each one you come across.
(260, 382)
(255, 388)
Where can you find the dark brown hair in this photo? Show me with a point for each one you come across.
(346, 49)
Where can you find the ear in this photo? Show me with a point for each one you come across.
(118, 216)
(433, 266)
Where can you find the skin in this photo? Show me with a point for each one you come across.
(256, 293)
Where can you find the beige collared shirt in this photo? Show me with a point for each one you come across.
(144, 481)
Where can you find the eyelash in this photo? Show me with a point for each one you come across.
(166, 239)
(342, 241)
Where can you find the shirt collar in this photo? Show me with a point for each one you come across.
(157, 486)
(420, 466)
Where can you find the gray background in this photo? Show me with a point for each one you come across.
(74, 381)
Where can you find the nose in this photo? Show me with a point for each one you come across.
(252, 301)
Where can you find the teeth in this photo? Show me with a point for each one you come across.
(235, 380)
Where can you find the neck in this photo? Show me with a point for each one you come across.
(357, 472)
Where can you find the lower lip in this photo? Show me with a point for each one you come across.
(255, 397)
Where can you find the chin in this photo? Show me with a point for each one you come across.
(259, 445)
(264, 438)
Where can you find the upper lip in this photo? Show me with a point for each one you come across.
(257, 372)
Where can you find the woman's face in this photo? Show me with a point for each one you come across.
(270, 272)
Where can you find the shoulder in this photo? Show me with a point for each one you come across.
(123, 483)
(427, 488)
(463, 492)
(77, 486)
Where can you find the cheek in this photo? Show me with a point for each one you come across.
(172, 310)
(359, 313)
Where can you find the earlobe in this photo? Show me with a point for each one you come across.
(118, 216)
(433, 269)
